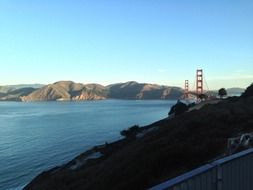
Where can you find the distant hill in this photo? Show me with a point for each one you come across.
(235, 91)
(67, 90)
(134, 90)
(9, 88)
(16, 94)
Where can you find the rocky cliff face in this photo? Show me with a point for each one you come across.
(89, 95)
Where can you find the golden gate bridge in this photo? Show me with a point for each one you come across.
(199, 90)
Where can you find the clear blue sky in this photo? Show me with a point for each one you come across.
(108, 41)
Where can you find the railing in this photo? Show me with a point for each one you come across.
(234, 172)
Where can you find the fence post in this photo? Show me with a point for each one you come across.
(219, 177)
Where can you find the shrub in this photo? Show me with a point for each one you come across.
(130, 132)
(178, 108)
(191, 105)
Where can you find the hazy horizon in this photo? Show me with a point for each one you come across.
(105, 42)
(115, 83)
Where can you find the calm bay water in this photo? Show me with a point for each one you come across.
(37, 136)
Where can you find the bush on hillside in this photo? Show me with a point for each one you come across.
(178, 108)
(248, 92)
(191, 105)
(130, 132)
(222, 92)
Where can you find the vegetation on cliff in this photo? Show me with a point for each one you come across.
(248, 92)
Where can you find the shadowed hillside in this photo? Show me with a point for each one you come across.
(156, 152)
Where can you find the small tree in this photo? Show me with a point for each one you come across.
(222, 92)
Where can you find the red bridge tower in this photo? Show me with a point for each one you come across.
(186, 89)
(199, 81)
